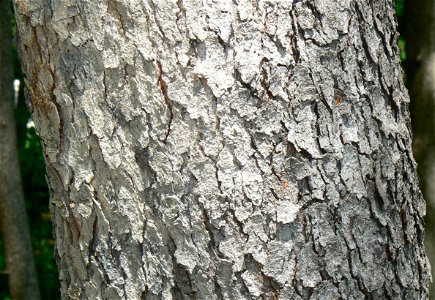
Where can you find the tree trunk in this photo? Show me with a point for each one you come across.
(420, 70)
(226, 150)
(20, 264)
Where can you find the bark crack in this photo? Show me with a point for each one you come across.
(164, 89)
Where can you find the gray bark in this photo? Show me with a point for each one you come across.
(226, 149)
(20, 266)
(420, 70)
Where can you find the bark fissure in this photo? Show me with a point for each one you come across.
(164, 89)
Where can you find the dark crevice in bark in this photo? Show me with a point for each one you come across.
(218, 289)
(214, 235)
(184, 282)
(264, 80)
(114, 8)
(274, 194)
(247, 85)
(164, 88)
(294, 37)
(239, 224)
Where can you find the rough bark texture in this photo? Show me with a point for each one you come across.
(420, 69)
(20, 266)
(226, 149)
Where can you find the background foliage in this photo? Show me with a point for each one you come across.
(36, 190)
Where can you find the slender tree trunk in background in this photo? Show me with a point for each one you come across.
(420, 70)
(20, 264)
(227, 149)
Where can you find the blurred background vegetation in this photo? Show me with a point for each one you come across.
(36, 190)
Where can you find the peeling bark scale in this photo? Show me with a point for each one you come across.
(226, 149)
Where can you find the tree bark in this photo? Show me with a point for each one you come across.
(420, 70)
(226, 149)
(20, 264)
